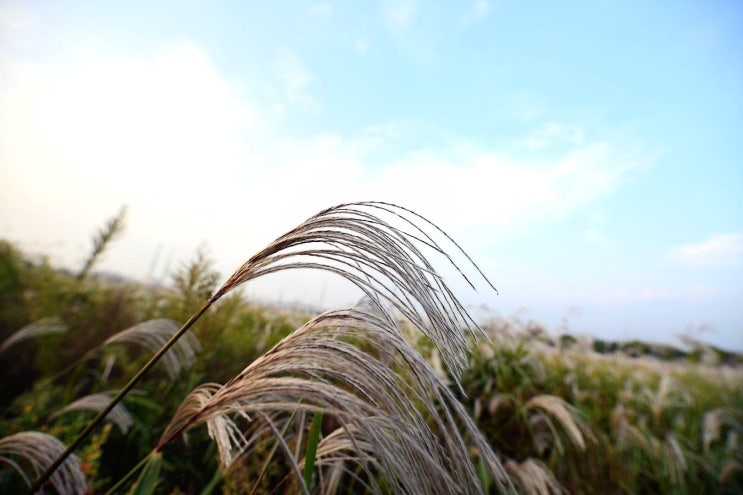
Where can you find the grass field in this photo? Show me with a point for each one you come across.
(560, 415)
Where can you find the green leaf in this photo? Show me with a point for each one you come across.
(311, 452)
(149, 477)
(484, 475)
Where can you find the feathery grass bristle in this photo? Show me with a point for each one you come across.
(44, 326)
(119, 415)
(40, 450)
(362, 243)
(383, 401)
(153, 334)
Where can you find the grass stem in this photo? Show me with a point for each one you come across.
(122, 393)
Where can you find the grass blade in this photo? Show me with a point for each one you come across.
(150, 476)
(309, 457)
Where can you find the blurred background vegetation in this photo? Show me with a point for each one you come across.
(591, 416)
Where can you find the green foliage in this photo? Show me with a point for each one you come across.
(13, 314)
(649, 416)
(149, 478)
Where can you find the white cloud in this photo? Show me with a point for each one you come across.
(125, 115)
(489, 189)
(80, 140)
(411, 34)
(525, 106)
(717, 250)
(14, 18)
(399, 13)
(195, 159)
(477, 12)
(555, 133)
(361, 46)
(295, 77)
(321, 10)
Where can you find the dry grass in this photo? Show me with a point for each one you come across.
(119, 415)
(534, 477)
(398, 422)
(44, 326)
(40, 450)
(566, 415)
(363, 243)
(153, 334)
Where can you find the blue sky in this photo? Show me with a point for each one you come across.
(587, 156)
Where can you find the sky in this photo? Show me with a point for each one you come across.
(586, 155)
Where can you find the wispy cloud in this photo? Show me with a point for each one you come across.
(412, 33)
(13, 18)
(525, 106)
(361, 46)
(295, 78)
(399, 13)
(555, 133)
(477, 12)
(719, 249)
(125, 131)
(321, 10)
(507, 190)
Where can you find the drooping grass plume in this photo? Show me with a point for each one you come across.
(566, 415)
(626, 434)
(119, 415)
(729, 470)
(222, 429)
(40, 450)
(675, 460)
(41, 327)
(369, 244)
(153, 334)
(717, 420)
(534, 477)
(399, 423)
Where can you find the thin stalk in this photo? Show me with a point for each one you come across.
(122, 393)
(275, 445)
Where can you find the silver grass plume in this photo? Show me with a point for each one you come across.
(119, 415)
(43, 326)
(153, 334)
(551, 406)
(40, 450)
(398, 420)
(715, 420)
(222, 429)
(534, 477)
(363, 243)
(674, 458)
